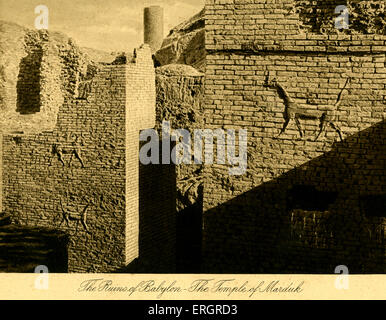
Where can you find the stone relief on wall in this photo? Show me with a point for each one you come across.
(70, 216)
(296, 111)
(71, 150)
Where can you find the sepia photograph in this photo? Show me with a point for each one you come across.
(176, 137)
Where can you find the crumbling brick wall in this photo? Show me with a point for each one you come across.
(34, 82)
(364, 16)
(80, 174)
(249, 222)
(42, 174)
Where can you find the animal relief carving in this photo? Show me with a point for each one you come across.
(57, 150)
(69, 216)
(74, 150)
(295, 111)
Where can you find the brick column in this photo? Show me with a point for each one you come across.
(140, 114)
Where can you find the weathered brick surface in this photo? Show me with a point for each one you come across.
(35, 181)
(87, 160)
(248, 224)
(230, 24)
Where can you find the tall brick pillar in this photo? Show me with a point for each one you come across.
(153, 20)
(140, 114)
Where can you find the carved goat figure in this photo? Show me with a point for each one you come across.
(74, 151)
(69, 216)
(296, 111)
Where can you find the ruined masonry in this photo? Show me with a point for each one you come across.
(311, 97)
(70, 148)
(307, 203)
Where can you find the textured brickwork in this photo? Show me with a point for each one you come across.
(230, 24)
(140, 114)
(249, 222)
(318, 16)
(37, 181)
(80, 173)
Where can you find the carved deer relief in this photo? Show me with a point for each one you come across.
(295, 111)
(77, 217)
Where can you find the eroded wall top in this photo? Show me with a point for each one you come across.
(292, 25)
(39, 69)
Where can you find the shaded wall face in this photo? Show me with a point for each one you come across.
(155, 244)
(73, 178)
(263, 218)
(29, 81)
(180, 100)
(157, 218)
(1, 172)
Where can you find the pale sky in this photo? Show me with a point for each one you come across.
(110, 25)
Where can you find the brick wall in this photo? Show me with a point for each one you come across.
(35, 180)
(249, 222)
(87, 163)
(140, 114)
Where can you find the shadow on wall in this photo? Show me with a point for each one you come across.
(330, 211)
(157, 220)
(189, 237)
(28, 83)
